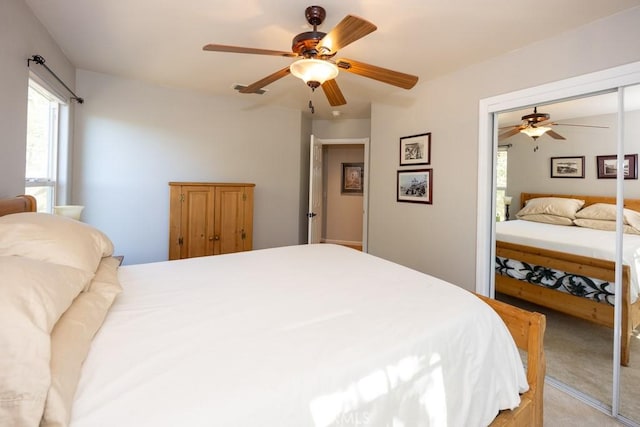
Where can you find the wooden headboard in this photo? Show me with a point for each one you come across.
(24, 203)
(633, 204)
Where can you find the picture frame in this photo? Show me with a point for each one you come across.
(607, 166)
(415, 186)
(415, 149)
(567, 167)
(352, 178)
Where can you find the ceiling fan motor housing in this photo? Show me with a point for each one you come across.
(536, 117)
(304, 44)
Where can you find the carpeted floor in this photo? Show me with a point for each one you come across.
(580, 355)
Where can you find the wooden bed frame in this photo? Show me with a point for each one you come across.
(527, 329)
(583, 308)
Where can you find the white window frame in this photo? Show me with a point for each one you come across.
(57, 143)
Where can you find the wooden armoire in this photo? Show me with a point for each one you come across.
(210, 218)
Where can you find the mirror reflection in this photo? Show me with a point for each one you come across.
(555, 255)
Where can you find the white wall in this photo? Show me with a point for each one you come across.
(133, 138)
(441, 238)
(21, 36)
(341, 128)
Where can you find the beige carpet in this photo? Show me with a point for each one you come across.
(580, 355)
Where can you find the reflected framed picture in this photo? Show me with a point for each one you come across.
(415, 186)
(608, 166)
(415, 149)
(352, 178)
(567, 167)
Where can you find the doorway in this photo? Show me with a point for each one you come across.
(337, 208)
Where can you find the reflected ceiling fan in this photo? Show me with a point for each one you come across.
(316, 50)
(537, 124)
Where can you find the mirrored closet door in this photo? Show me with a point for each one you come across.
(560, 159)
(629, 404)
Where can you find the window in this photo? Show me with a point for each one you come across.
(501, 183)
(43, 117)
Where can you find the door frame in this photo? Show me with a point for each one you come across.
(365, 193)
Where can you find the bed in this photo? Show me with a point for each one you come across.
(310, 335)
(570, 268)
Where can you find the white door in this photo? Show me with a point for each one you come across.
(315, 191)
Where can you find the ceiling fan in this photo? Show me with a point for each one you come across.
(537, 124)
(317, 66)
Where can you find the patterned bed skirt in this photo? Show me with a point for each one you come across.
(574, 284)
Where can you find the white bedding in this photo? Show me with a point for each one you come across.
(312, 335)
(575, 240)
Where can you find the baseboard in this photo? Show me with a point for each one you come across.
(341, 242)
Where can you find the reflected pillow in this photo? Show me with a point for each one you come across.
(557, 206)
(603, 224)
(547, 219)
(607, 212)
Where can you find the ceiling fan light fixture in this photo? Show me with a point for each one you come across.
(535, 131)
(314, 72)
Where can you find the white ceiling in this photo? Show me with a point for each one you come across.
(160, 41)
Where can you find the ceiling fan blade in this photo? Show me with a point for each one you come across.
(238, 49)
(254, 87)
(555, 135)
(333, 93)
(509, 134)
(583, 126)
(350, 29)
(395, 78)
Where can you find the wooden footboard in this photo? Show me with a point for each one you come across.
(583, 308)
(527, 329)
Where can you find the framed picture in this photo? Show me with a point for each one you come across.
(352, 178)
(415, 186)
(567, 167)
(415, 149)
(608, 166)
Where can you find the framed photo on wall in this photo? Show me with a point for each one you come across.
(415, 149)
(608, 166)
(415, 186)
(567, 167)
(352, 178)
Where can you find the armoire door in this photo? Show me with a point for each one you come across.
(197, 221)
(232, 228)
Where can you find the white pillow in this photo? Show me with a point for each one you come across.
(33, 296)
(53, 238)
(557, 206)
(71, 339)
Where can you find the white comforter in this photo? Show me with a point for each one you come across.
(574, 240)
(316, 335)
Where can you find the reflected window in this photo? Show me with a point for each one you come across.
(501, 183)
